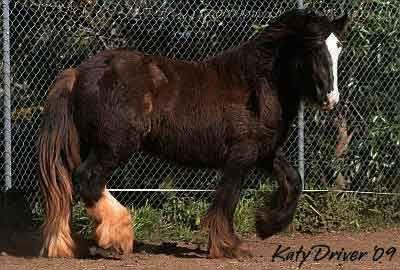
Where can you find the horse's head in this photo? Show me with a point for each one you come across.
(314, 53)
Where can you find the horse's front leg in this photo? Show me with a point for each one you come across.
(270, 220)
(113, 232)
(223, 242)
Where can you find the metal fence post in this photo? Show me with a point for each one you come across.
(300, 129)
(7, 94)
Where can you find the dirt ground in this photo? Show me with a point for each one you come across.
(372, 250)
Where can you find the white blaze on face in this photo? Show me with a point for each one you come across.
(332, 42)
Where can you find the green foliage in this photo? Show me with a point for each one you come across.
(185, 212)
(369, 77)
(244, 216)
(82, 224)
(181, 217)
(147, 222)
(327, 212)
(345, 211)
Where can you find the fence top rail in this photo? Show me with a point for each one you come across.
(252, 190)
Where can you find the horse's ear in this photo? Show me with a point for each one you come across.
(340, 24)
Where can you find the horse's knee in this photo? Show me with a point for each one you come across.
(272, 220)
(283, 165)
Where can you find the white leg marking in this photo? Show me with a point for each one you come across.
(113, 222)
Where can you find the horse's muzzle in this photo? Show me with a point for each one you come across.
(326, 106)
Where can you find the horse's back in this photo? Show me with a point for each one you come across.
(134, 72)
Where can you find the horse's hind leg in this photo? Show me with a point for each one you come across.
(223, 242)
(113, 222)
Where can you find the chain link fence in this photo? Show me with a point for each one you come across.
(356, 147)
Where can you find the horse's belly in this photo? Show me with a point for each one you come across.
(195, 148)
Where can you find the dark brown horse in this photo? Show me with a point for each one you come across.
(230, 112)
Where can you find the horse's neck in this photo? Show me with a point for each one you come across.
(279, 77)
(252, 66)
(263, 76)
(272, 99)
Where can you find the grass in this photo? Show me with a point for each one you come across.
(333, 211)
(179, 218)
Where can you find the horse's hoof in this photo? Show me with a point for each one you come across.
(237, 252)
(265, 227)
(242, 252)
(104, 253)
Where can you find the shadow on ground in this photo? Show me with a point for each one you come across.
(171, 248)
(18, 236)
